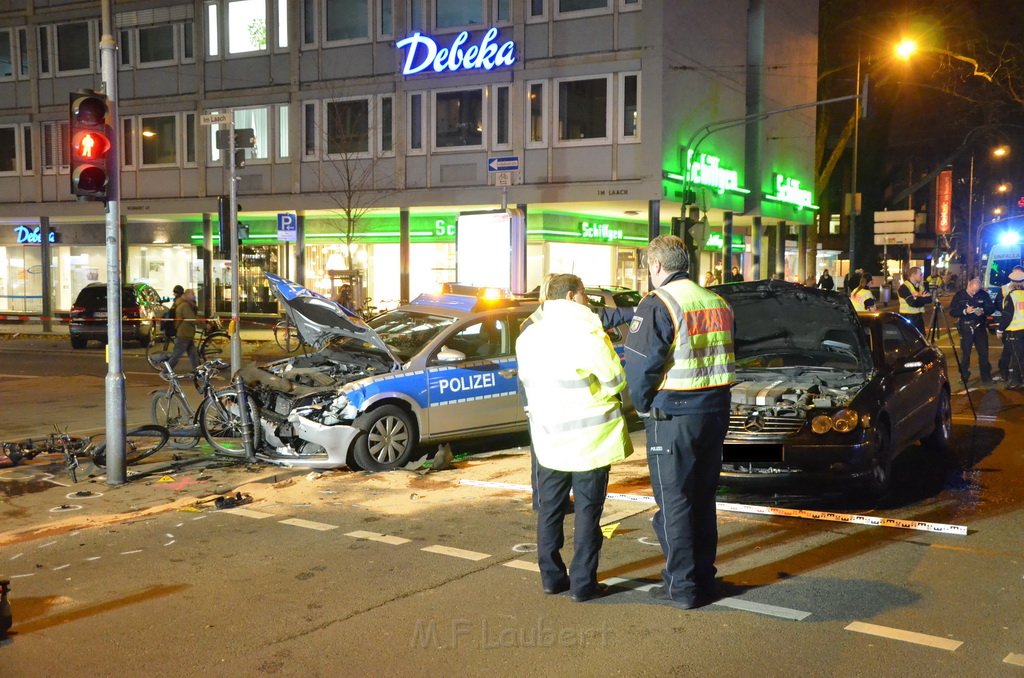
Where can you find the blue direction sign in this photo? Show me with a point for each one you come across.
(287, 227)
(507, 164)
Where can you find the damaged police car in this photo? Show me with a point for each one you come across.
(825, 393)
(438, 369)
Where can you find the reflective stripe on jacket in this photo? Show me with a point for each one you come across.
(572, 378)
(1017, 300)
(859, 298)
(905, 308)
(702, 351)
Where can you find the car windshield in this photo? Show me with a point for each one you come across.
(407, 332)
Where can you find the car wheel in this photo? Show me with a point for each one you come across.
(881, 466)
(389, 439)
(940, 439)
(79, 342)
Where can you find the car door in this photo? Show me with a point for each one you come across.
(911, 367)
(477, 392)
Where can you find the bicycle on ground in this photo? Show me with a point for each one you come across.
(140, 442)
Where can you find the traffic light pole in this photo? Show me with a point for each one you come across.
(236, 325)
(114, 406)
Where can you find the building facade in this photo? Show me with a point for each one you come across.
(379, 122)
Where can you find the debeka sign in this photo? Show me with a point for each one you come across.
(423, 52)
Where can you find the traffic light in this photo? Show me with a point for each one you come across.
(90, 144)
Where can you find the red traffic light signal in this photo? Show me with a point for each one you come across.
(90, 144)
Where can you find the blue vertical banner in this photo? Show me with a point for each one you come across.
(287, 226)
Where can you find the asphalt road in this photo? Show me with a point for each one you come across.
(353, 574)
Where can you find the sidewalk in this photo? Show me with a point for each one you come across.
(252, 333)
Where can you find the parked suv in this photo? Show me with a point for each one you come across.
(142, 309)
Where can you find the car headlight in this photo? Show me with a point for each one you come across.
(844, 421)
(821, 424)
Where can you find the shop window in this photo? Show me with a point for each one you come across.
(416, 123)
(159, 140)
(387, 19)
(583, 110)
(212, 30)
(156, 45)
(310, 131)
(6, 54)
(309, 22)
(247, 26)
(9, 149)
(347, 20)
(74, 47)
(459, 118)
(536, 114)
(282, 131)
(501, 114)
(190, 139)
(570, 6)
(282, 24)
(128, 142)
(387, 125)
(27, 163)
(458, 13)
(44, 50)
(629, 107)
(348, 127)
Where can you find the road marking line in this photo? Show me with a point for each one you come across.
(245, 513)
(61, 567)
(523, 565)
(169, 535)
(1015, 659)
(987, 418)
(128, 553)
(15, 557)
(204, 517)
(455, 553)
(906, 636)
(94, 558)
(829, 516)
(170, 542)
(49, 543)
(762, 608)
(308, 524)
(22, 576)
(376, 536)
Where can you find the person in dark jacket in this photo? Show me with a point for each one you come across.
(826, 282)
(914, 298)
(972, 306)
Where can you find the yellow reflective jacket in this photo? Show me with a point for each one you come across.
(702, 352)
(572, 378)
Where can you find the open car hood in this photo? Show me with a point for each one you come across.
(782, 324)
(319, 319)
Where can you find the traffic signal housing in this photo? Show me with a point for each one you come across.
(89, 112)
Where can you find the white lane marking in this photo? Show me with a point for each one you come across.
(245, 513)
(94, 558)
(523, 565)
(16, 556)
(169, 535)
(987, 418)
(128, 553)
(376, 536)
(203, 517)
(61, 567)
(761, 608)
(22, 576)
(308, 524)
(179, 524)
(169, 543)
(906, 636)
(49, 543)
(455, 553)
(1015, 659)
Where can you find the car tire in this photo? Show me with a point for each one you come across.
(880, 479)
(388, 439)
(79, 342)
(940, 440)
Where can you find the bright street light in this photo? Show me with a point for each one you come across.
(1001, 151)
(1003, 188)
(906, 48)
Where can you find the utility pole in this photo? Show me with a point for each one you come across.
(114, 407)
(236, 325)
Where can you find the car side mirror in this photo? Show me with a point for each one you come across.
(450, 355)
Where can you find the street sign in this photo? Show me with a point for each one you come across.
(215, 119)
(504, 178)
(507, 164)
(896, 221)
(287, 227)
(894, 239)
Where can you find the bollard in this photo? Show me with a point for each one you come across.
(243, 416)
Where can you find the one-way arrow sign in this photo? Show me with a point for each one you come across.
(507, 164)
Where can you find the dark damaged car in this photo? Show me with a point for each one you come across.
(824, 393)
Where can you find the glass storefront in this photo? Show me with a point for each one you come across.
(253, 291)
(164, 266)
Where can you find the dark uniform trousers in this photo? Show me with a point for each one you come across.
(684, 455)
(976, 335)
(1014, 347)
(589, 489)
(917, 320)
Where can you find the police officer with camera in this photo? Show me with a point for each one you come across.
(972, 307)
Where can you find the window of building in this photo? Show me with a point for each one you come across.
(502, 137)
(212, 30)
(387, 18)
(258, 120)
(188, 31)
(583, 110)
(570, 6)
(503, 11)
(247, 26)
(64, 145)
(156, 45)
(348, 127)
(458, 118)
(124, 49)
(27, 164)
(630, 5)
(6, 54)
(417, 15)
(629, 107)
(310, 131)
(536, 114)
(44, 50)
(458, 13)
(387, 125)
(159, 140)
(834, 226)
(23, 52)
(48, 147)
(128, 142)
(74, 47)
(537, 10)
(190, 139)
(282, 131)
(347, 20)
(416, 123)
(309, 22)
(8, 149)
(282, 24)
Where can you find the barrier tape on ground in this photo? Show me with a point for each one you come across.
(830, 516)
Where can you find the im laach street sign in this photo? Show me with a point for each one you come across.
(508, 163)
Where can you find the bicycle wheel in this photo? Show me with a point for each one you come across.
(159, 349)
(215, 345)
(221, 424)
(287, 336)
(139, 443)
(174, 414)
